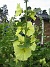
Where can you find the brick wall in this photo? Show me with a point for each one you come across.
(47, 31)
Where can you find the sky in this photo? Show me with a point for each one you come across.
(12, 4)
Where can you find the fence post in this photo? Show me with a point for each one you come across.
(42, 37)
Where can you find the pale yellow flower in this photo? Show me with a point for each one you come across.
(23, 53)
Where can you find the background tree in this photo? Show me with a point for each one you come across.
(38, 10)
(28, 8)
(45, 12)
(4, 13)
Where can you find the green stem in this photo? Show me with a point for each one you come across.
(26, 23)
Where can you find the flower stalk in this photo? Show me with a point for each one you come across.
(26, 21)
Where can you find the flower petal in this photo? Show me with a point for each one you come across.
(33, 46)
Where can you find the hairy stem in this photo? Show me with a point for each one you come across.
(26, 22)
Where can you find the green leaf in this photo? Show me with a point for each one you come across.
(32, 14)
(19, 10)
(16, 23)
(23, 46)
(33, 17)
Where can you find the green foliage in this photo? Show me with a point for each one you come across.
(43, 61)
(3, 14)
(6, 48)
(37, 10)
